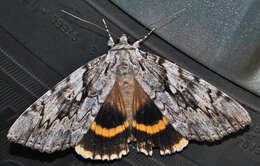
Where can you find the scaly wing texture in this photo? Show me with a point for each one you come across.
(60, 118)
(195, 108)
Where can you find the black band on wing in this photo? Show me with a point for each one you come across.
(151, 129)
(109, 117)
(107, 136)
(148, 114)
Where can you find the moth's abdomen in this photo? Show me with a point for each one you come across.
(127, 91)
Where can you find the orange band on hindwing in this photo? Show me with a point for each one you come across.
(108, 134)
(99, 130)
(151, 129)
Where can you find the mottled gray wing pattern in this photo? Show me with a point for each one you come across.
(59, 118)
(195, 108)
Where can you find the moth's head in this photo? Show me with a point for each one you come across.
(123, 39)
(123, 42)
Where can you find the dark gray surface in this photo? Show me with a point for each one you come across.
(223, 35)
(38, 48)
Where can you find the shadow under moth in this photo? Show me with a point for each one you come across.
(127, 95)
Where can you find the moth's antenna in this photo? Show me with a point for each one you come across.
(137, 43)
(170, 16)
(86, 21)
(110, 41)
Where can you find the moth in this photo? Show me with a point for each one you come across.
(123, 96)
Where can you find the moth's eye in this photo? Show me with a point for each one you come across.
(117, 41)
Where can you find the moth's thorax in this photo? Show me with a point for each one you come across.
(123, 57)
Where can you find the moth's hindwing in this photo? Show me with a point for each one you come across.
(195, 108)
(60, 118)
(151, 129)
(108, 136)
